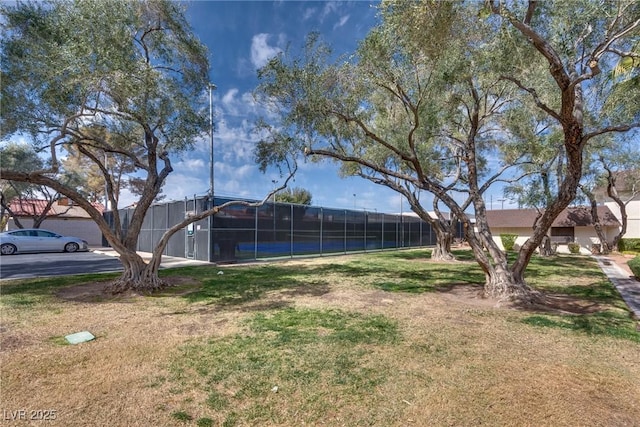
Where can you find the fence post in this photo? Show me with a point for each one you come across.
(345, 231)
(210, 203)
(186, 238)
(366, 220)
(382, 240)
(255, 234)
(321, 230)
(291, 228)
(166, 223)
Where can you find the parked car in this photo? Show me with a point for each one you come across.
(38, 240)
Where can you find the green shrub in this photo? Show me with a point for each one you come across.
(508, 240)
(574, 247)
(634, 265)
(630, 245)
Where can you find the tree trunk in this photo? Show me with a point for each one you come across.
(137, 275)
(545, 247)
(612, 192)
(444, 240)
(500, 282)
(596, 219)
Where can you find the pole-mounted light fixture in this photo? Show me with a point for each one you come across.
(212, 87)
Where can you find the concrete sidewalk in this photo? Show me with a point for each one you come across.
(627, 285)
(167, 261)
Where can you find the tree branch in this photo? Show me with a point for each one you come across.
(609, 129)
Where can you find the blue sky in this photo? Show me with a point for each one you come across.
(241, 37)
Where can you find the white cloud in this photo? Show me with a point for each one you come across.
(234, 144)
(329, 7)
(308, 13)
(191, 164)
(342, 21)
(229, 97)
(181, 184)
(261, 52)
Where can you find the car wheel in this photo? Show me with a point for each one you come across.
(71, 247)
(8, 249)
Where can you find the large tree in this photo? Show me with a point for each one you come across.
(422, 105)
(118, 79)
(620, 176)
(580, 42)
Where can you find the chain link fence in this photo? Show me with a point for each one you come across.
(275, 230)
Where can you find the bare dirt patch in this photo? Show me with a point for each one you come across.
(95, 291)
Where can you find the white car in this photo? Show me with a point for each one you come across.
(38, 240)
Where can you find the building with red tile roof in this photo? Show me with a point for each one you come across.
(62, 217)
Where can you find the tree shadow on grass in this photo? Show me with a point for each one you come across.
(240, 286)
(610, 323)
(350, 270)
(413, 255)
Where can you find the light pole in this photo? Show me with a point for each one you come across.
(212, 248)
(212, 87)
(354, 201)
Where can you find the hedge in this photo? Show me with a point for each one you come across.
(627, 244)
(508, 240)
(634, 264)
(574, 247)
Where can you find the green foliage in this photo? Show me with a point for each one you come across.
(20, 157)
(420, 101)
(627, 244)
(508, 241)
(296, 195)
(634, 265)
(574, 248)
(102, 79)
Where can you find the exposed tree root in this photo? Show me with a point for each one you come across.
(442, 256)
(519, 294)
(143, 284)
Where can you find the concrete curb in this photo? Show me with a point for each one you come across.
(167, 261)
(627, 286)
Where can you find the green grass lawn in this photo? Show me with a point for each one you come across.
(386, 338)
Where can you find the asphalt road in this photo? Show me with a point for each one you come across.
(55, 264)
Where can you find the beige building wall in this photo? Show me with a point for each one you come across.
(585, 236)
(633, 217)
(522, 237)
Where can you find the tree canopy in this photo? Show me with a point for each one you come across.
(111, 87)
(423, 106)
(295, 195)
(119, 80)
